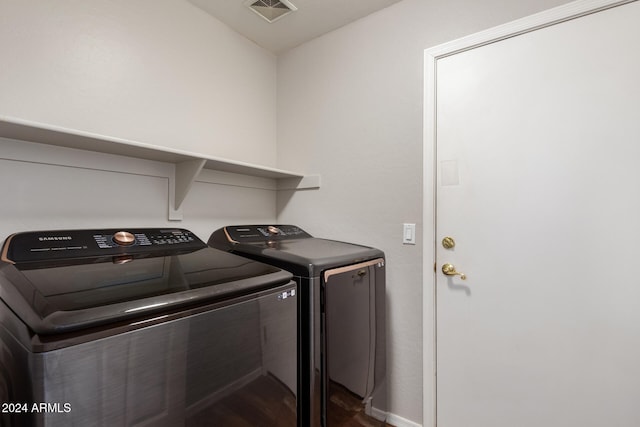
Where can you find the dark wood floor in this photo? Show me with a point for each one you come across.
(347, 410)
(265, 402)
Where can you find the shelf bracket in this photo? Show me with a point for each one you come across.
(180, 183)
(308, 182)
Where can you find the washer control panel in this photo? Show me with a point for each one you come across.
(63, 244)
(264, 233)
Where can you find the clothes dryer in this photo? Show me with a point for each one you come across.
(341, 332)
(143, 327)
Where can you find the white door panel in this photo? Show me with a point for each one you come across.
(538, 145)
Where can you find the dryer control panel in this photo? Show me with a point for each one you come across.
(66, 244)
(264, 233)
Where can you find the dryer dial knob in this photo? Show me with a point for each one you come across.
(124, 238)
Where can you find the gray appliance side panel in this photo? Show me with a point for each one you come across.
(310, 356)
(15, 386)
(355, 339)
(378, 405)
(277, 327)
(135, 379)
(177, 373)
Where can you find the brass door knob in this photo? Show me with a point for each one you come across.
(450, 270)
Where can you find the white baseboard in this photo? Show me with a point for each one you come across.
(375, 413)
(398, 421)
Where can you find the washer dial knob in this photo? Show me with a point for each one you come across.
(124, 238)
(273, 229)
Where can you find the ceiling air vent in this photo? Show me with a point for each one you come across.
(271, 10)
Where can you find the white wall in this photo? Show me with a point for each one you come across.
(47, 188)
(159, 72)
(350, 109)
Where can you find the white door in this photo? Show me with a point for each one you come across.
(538, 183)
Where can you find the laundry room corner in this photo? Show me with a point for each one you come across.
(350, 108)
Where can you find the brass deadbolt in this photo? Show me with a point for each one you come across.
(448, 243)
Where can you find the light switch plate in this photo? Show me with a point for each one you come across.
(409, 234)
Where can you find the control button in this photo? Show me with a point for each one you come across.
(124, 238)
(273, 230)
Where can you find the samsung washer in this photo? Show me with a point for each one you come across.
(341, 313)
(143, 327)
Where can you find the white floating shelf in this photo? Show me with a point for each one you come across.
(188, 165)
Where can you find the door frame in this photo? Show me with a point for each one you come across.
(531, 23)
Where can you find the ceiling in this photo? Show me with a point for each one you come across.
(311, 19)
